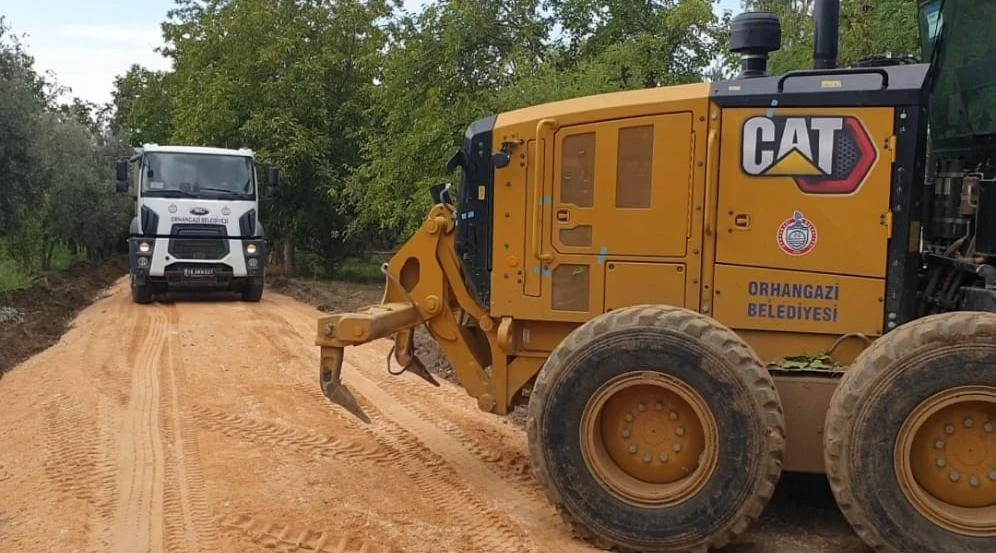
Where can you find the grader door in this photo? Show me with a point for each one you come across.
(618, 217)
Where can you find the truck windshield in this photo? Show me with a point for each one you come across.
(177, 175)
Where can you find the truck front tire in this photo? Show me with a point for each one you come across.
(140, 293)
(252, 290)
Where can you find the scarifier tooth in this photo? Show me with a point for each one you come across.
(417, 367)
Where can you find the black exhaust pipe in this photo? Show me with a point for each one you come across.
(826, 21)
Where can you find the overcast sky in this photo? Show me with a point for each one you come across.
(86, 43)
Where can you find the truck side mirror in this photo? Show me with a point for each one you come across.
(122, 175)
(274, 178)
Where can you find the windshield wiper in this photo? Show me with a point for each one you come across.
(222, 190)
(168, 193)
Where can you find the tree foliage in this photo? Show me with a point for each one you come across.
(867, 28)
(56, 167)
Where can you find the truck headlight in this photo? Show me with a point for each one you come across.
(251, 248)
(144, 247)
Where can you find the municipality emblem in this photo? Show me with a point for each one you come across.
(797, 235)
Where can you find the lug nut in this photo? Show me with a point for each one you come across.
(641, 407)
(954, 476)
(632, 448)
(664, 457)
(973, 481)
(941, 462)
(659, 406)
(625, 432)
(629, 417)
(647, 458)
(939, 444)
(677, 447)
(988, 427)
(673, 416)
(992, 475)
(949, 429)
(969, 423)
(680, 431)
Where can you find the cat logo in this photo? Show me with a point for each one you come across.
(823, 155)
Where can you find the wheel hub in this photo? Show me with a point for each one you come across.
(947, 459)
(649, 439)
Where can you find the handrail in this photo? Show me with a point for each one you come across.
(848, 71)
(538, 182)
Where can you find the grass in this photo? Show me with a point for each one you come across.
(14, 277)
(358, 270)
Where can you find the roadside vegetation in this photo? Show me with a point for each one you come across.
(360, 103)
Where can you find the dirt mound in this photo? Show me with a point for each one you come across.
(34, 318)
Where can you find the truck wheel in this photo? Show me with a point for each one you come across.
(140, 293)
(655, 428)
(910, 443)
(252, 290)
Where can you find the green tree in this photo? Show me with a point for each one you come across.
(867, 28)
(143, 106)
(290, 79)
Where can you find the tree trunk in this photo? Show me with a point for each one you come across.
(289, 257)
(49, 252)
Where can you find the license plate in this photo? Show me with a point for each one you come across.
(198, 272)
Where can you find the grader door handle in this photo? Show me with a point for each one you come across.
(563, 216)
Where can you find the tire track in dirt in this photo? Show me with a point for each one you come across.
(446, 466)
(187, 517)
(71, 463)
(284, 437)
(138, 518)
(272, 535)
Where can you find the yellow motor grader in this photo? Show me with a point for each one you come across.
(697, 287)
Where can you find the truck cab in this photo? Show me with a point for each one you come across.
(196, 224)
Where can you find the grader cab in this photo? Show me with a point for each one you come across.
(695, 288)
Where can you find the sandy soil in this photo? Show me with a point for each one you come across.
(197, 425)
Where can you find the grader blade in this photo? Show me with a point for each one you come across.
(330, 379)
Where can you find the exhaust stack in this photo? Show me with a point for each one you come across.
(826, 21)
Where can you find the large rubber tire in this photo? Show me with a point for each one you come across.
(702, 354)
(877, 394)
(252, 291)
(141, 293)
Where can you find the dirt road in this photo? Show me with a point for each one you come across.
(198, 426)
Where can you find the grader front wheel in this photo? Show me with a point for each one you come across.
(656, 429)
(910, 437)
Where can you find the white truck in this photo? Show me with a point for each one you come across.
(196, 225)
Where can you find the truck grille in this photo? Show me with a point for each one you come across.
(199, 242)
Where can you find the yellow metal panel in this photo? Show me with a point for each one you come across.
(806, 189)
(588, 154)
(794, 301)
(524, 189)
(613, 105)
(637, 283)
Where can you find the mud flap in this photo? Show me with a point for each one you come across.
(330, 379)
